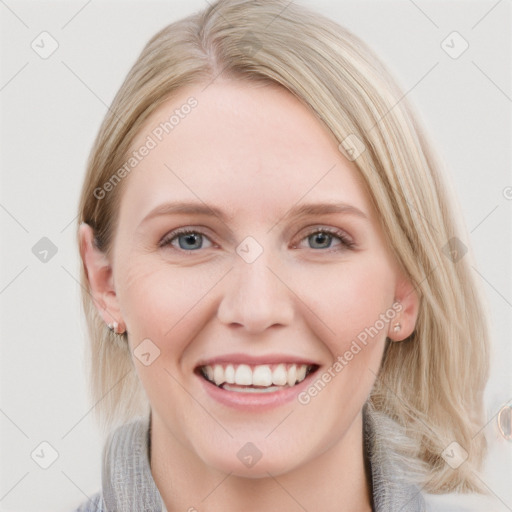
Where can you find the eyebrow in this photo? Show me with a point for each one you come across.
(304, 210)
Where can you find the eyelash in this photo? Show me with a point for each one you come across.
(342, 237)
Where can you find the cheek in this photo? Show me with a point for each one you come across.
(337, 303)
(161, 303)
(353, 327)
(347, 302)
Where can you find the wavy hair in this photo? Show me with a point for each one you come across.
(431, 384)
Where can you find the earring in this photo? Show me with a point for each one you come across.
(397, 327)
(113, 328)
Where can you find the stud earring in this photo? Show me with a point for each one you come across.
(397, 327)
(113, 328)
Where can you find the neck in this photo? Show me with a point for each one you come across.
(335, 480)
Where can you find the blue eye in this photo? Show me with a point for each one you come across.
(188, 240)
(319, 238)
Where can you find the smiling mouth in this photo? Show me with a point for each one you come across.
(264, 378)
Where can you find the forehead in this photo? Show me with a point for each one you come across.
(240, 146)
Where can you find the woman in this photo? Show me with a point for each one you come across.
(281, 307)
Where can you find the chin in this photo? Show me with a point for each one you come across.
(253, 460)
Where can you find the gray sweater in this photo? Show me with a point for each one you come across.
(128, 485)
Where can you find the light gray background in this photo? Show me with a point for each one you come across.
(51, 110)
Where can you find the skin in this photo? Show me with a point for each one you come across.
(254, 152)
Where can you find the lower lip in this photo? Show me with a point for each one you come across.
(255, 401)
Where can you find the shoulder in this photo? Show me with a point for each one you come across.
(93, 504)
(394, 479)
(126, 478)
(398, 477)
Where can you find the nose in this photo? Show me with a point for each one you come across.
(256, 296)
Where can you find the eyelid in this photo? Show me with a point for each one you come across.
(171, 235)
(346, 240)
(344, 237)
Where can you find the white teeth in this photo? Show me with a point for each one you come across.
(245, 389)
(243, 375)
(208, 370)
(270, 377)
(262, 376)
(218, 374)
(229, 374)
(279, 375)
(301, 372)
(292, 375)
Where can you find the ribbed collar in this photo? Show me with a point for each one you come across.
(127, 481)
(387, 474)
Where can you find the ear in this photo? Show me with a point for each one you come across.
(99, 274)
(407, 296)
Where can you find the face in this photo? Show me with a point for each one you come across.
(253, 303)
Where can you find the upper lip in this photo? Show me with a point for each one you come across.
(255, 360)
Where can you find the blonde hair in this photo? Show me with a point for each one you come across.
(432, 384)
